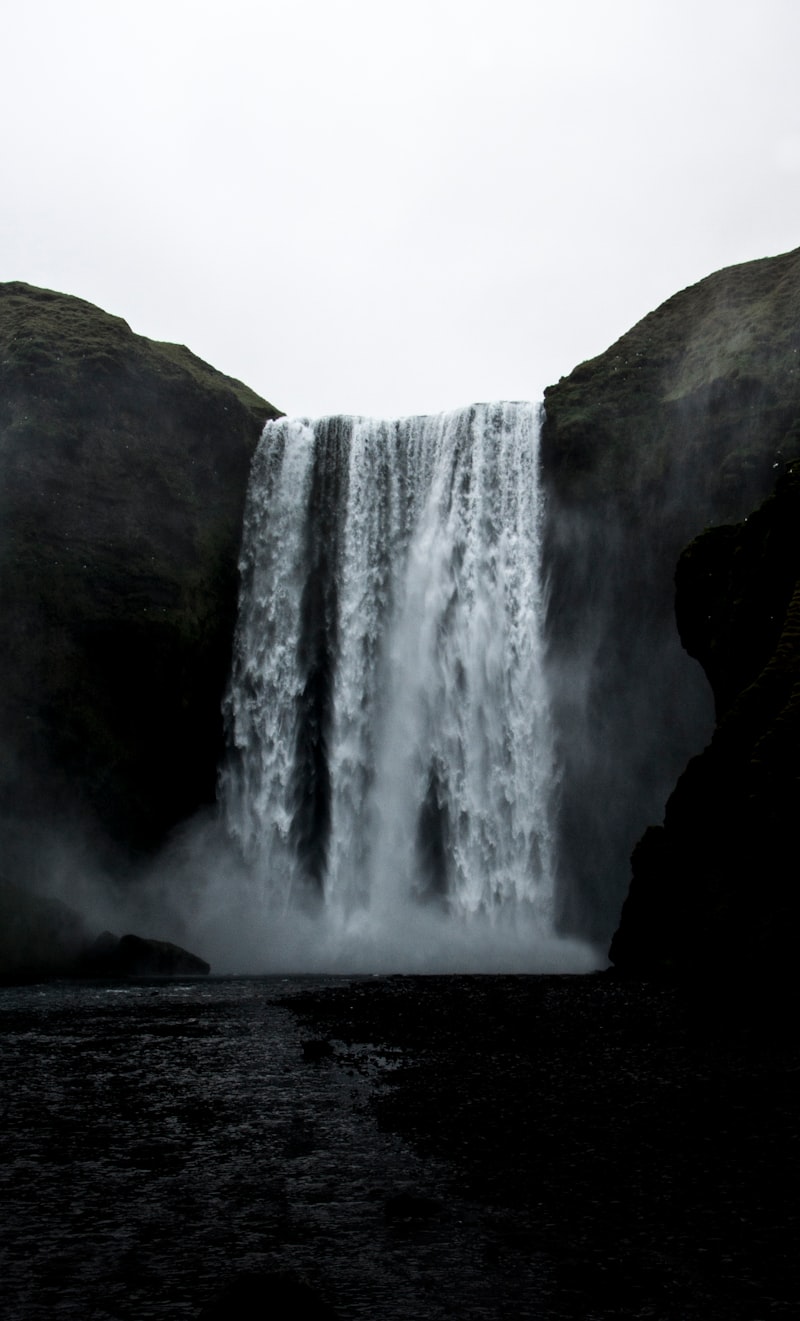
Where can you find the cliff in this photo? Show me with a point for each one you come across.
(679, 425)
(123, 468)
(690, 408)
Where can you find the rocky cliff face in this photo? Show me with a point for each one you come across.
(123, 468)
(679, 425)
(715, 887)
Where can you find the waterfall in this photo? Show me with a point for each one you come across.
(391, 749)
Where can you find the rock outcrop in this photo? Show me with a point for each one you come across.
(140, 956)
(680, 424)
(41, 937)
(123, 469)
(715, 887)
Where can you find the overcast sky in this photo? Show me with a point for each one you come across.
(392, 208)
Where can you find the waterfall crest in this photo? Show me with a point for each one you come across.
(389, 729)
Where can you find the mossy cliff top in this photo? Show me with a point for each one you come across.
(702, 392)
(123, 470)
(44, 335)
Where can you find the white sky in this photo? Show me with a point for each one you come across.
(393, 208)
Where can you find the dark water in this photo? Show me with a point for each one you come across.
(477, 1147)
(159, 1139)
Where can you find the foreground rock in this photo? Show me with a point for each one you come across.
(123, 470)
(715, 887)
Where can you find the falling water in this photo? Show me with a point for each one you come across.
(390, 738)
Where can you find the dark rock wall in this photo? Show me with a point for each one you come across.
(716, 886)
(678, 425)
(123, 469)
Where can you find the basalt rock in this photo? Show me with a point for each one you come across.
(123, 469)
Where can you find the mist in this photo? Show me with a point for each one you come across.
(630, 707)
(201, 894)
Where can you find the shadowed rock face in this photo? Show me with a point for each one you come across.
(123, 468)
(679, 425)
(715, 887)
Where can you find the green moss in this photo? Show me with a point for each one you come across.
(712, 374)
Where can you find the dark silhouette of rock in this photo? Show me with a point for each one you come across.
(715, 888)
